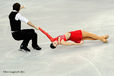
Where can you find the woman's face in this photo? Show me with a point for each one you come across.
(55, 43)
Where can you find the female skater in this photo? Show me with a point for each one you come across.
(76, 36)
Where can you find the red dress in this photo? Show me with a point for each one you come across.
(76, 36)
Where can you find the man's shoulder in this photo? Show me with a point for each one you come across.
(13, 12)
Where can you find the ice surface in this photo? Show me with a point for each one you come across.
(93, 58)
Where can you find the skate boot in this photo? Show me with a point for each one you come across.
(24, 48)
(36, 47)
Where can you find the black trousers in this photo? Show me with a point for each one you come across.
(26, 35)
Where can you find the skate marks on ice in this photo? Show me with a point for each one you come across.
(21, 54)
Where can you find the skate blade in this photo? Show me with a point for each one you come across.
(23, 50)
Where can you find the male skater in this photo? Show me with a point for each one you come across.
(26, 35)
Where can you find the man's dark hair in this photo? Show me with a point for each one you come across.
(52, 46)
(16, 6)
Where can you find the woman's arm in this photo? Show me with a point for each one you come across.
(70, 43)
(44, 32)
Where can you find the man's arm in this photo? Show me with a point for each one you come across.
(22, 18)
(29, 23)
(25, 20)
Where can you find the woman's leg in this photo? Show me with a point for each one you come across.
(105, 36)
(90, 36)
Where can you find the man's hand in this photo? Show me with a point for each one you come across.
(29, 23)
(38, 28)
(22, 7)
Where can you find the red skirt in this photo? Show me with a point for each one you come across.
(76, 36)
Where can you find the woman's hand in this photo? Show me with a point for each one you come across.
(82, 42)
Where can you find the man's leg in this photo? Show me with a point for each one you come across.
(26, 35)
(22, 35)
(25, 44)
(34, 40)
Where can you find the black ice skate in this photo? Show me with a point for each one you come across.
(24, 48)
(36, 47)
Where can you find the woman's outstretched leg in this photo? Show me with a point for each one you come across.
(105, 36)
(90, 36)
